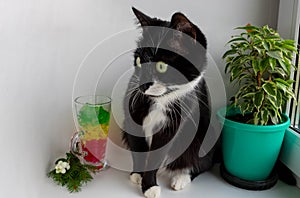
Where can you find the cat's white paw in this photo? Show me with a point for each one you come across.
(153, 192)
(136, 178)
(178, 182)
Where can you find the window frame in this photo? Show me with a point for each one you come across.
(288, 27)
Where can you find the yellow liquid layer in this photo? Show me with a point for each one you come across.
(94, 132)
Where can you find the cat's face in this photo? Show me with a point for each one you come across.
(163, 58)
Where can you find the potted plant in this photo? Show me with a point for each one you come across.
(259, 61)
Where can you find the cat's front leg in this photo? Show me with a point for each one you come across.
(156, 156)
(139, 148)
(139, 163)
(149, 185)
(136, 177)
(180, 181)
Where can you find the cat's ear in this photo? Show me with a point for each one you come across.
(142, 18)
(182, 23)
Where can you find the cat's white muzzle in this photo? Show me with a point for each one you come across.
(156, 89)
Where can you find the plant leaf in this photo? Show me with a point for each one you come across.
(238, 38)
(286, 83)
(244, 107)
(291, 94)
(258, 99)
(229, 52)
(284, 66)
(248, 27)
(244, 76)
(279, 99)
(290, 47)
(272, 63)
(282, 86)
(290, 81)
(255, 66)
(273, 116)
(264, 64)
(270, 88)
(264, 117)
(235, 72)
(266, 45)
(272, 100)
(273, 37)
(274, 119)
(256, 118)
(251, 94)
(275, 54)
(279, 71)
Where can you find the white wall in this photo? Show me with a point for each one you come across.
(42, 44)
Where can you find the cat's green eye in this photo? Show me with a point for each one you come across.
(161, 67)
(138, 62)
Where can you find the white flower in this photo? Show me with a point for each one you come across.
(62, 167)
(66, 165)
(58, 168)
(63, 171)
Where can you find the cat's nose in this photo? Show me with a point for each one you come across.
(143, 87)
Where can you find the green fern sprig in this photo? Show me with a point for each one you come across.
(75, 177)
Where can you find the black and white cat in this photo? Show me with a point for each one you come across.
(167, 105)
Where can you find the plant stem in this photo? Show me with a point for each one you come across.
(259, 79)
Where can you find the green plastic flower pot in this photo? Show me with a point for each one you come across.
(250, 151)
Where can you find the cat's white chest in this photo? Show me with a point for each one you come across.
(154, 121)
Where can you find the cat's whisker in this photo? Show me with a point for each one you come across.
(181, 116)
(176, 112)
(162, 36)
(133, 84)
(170, 124)
(130, 88)
(134, 81)
(152, 44)
(197, 98)
(134, 96)
(130, 92)
(185, 108)
(137, 95)
(198, 91)
(135, 77)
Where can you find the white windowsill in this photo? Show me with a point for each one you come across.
(290, 153)
(115, 184)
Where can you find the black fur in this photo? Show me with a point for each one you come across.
(137, 104)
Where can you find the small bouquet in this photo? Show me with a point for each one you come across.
(71, 173)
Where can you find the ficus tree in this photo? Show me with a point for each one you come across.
(260, 62)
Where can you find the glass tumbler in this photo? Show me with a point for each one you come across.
(92, 116)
